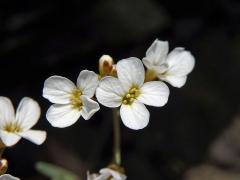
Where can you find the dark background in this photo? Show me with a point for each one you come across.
(43, 38)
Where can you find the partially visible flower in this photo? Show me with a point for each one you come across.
(92, 176)
(71, 101)
(12, 127)
(107, 66)
(108, 173)
(172, 68)
(131, 93)
(8, 177)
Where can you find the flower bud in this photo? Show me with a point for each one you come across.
(114, 71)
(106, 66)
(3, 166)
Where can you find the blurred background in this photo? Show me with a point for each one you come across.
(195, 136)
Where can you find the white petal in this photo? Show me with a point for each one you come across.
(116, 175)
(135, 116)
(130, 72)
(109, 92)
(9, 139)
(91, 176)
(62, 115)
(180, 62)
(28, 113)
(154, 93)
(35, 136)
(6, 111)
(102, 177)
(8, 177)
(89, 107)
(87, 82)
(156, 54)
(57, 89)
(175, 81)
(160, 69)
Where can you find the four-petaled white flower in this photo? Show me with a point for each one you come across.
(8, 177)
(131, 93)
(173, 67)
(12, 127)
(71, 101)
(107, 174)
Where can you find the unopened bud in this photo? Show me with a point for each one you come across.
(114, 71)
(105, 65)
(3, 166)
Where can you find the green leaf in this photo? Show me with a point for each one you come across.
(55, 172)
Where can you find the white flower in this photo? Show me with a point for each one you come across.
(71, 101)
(131, 93)
(8, 177)
(12, 127)
(106, 174)
(173, 67)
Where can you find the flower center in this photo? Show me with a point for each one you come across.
(12, 127)
(75, 99)
(129, 97)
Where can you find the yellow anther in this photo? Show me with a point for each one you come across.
(12, 127)
(133, 90)
(129, 97)
(75, 99)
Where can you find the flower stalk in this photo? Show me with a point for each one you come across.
(117, 137)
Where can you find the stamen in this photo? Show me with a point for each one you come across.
(132, 94)
(76, 100)
(12, 127)
(128, 95)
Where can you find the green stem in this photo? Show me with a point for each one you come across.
(116, 140)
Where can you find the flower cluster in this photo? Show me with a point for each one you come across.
(124, 85)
